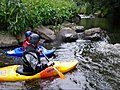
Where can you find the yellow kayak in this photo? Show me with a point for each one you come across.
(9, 73)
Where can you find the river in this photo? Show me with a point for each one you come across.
(98, 68)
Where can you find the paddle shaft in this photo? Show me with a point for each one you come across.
(46, 57)
(59, 73)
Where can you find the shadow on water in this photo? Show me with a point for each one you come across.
(98, 68)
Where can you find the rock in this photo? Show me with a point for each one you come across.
(79, 29)
(20, 37)
(69, 25)
(95, 34)
(117, 45)
(67, 34)
(94, 37)
(7, 40)
(92, 31)
(45, 33)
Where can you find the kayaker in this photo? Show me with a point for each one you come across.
(26, 41)
(31, 56)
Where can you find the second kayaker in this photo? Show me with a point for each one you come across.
(26, 41)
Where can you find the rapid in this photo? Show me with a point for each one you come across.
(98, 68)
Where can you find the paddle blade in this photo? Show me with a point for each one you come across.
(59, 73)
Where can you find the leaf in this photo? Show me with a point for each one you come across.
(17, 18)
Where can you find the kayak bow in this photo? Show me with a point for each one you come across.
(18, 52)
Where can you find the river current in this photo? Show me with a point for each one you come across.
(98, 68)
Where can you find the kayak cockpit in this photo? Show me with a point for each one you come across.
(22, 72)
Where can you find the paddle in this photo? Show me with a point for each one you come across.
(59, 73)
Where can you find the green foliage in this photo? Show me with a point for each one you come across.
(85, 8)
(17, 15)
(50, 11)
(103, 8)
(2, 13)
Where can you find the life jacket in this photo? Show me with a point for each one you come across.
(26, 42)
(31, 58)
(26, 68)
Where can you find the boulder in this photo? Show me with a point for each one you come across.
(92, 31)
(94, 34)
(20, 37)
(67, 34)
(79, 29)
(7, 40)
(45, 33)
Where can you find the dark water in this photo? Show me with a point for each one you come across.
(111, 26)
(98, 68)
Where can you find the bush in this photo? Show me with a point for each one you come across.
(50, 11)
(2, 14)
(17, 15)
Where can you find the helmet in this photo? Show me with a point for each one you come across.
(34, 38)
(28, 33)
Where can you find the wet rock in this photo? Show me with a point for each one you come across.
(94, 37)
(92, 31)
(79, 29)
(67, 34)
(117, 45)
(94, 34)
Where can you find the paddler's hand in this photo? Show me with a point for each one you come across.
(51, 63)
(40, 50)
